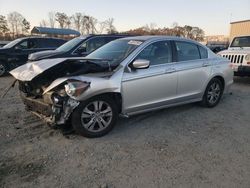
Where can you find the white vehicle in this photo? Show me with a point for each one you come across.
(239, 55)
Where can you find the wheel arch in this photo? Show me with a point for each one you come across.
(219, 77)
(116, 96)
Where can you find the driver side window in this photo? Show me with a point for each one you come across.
(157, 53)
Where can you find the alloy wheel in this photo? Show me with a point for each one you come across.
(213, 93)
(96, 116)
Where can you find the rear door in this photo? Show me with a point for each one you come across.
(193, 69)
(46, 44)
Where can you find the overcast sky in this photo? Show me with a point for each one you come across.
(213, 16)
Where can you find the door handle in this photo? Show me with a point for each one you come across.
(206, 64)
(170, 70)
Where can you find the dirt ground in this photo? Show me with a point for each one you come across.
(186, 146)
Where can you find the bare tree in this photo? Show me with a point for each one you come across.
(15, 20)
(43, 23)
(187, 31)
(109, 26)
(68, 22)
(62, 19)
(52, 19)
(25, 26)
(89, 25)
(77, 20)
(197, 34)
(175, 24)
(101, 27)
(3, 25)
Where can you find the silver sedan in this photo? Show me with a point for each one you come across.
(125, 77)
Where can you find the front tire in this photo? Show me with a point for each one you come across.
(3, 69)
(95, 117)
(213, 93)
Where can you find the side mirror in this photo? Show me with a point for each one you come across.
(141, 64)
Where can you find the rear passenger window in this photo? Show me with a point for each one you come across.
(187, 51)
(50, 43)
(47, 43)
(203, 52)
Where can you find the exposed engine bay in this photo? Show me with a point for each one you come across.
(56, 105)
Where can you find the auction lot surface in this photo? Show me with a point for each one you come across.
(186, 146)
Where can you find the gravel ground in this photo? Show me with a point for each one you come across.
(186, 146)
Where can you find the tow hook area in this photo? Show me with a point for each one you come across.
(62, 109)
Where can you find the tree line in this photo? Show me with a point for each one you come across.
(81, 22)
(15, 25)
(186, 31)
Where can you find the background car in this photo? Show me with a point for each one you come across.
(3, 43)
(126, 76)
(16, 52)
(77, 47)
(217, 49)
(239, 55)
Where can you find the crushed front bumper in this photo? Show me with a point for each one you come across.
(51, 113)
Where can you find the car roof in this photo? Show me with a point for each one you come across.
(34, 37)
(158, 37)
(84, 37)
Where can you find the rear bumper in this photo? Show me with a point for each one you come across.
(242, 71)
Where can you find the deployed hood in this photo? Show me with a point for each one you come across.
(60, 67)
(30, 70)
(43, 55)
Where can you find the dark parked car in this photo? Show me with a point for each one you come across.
(3, 43)
(217, 49)
(16, 52)
(77, 47)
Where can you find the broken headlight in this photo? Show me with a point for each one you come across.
(76, 88)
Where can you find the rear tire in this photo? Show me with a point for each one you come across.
(212, 93)
(3, 69)
(95, 117)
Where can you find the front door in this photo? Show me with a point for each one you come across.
(150, 88)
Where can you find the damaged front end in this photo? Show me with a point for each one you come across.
(53, 93)
(55, 106)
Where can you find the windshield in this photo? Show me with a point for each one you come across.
(70, 44)
(12, 43)
(115, 51)
(241, 42)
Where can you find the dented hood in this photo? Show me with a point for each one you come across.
(44, 55)
(29, 71)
